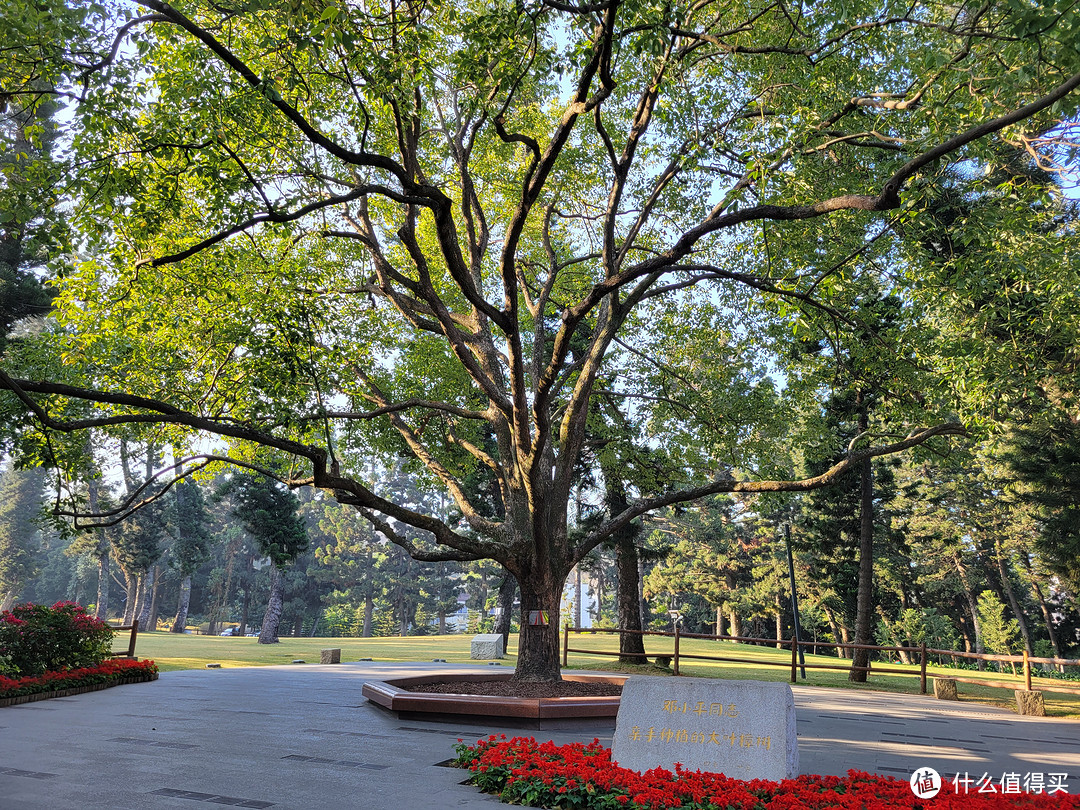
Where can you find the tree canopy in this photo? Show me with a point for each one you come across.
(326, 230)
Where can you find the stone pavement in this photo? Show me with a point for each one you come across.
(301, 736)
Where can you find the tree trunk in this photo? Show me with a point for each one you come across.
(505, 601)
(577, 595)
(269, 634)
(180, 622)
(132, 584)
(734, 622)
(779, 605)
(864, 611)
(102, 609)
(8, 601)
(538, 644)
(627, 602)
(845, 638)
(369, 610)
(1048, 620)
(146, 605)
(245, 607)
(719, 620)
(973, 609)
(1014, 604)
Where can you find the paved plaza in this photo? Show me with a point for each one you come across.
(302, 736)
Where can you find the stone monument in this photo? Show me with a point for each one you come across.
(742, 729)
(487, 646)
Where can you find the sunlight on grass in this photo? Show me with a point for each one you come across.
(174, 652)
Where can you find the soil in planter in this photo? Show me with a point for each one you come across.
(521, 689)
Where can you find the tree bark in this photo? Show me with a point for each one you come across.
(245, 607)
(577, 595)
(505, 600)
(627, 602)
(864, 611)
(132, 584)
(779, 605)
(8, 601)
(734, 622)
(269, 633)
(146, 605)
(1014, 604)
(180, 622)
(538, 644)
(719, 620)
(973, 609)
(369, 610)
(101, 611)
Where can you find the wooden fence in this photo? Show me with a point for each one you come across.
(130, 651)
(922, 652)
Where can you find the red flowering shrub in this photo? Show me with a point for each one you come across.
(37, 638)
(108, 672)
(521, 771)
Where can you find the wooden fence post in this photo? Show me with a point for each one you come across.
(565, 643)
(922, 669)
(131, 642)
(675, 658)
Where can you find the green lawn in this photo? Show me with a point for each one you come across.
(172, 652)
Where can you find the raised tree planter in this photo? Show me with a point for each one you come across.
(516, 711)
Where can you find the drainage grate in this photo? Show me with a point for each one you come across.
(213, 798)
(154, 743)
(241, 711)
(345, 763)
(338, 733)
(27, 774)
(464, 734)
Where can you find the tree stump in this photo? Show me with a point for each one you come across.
(1030, 703)
(945, 689)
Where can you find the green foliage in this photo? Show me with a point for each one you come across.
(269, 514)
(1046, 458)
(188, 522)
(38, 638)
(21, 506)
(1000, 635)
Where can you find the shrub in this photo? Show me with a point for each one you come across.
(37, 638)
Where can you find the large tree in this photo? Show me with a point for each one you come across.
(429, 229)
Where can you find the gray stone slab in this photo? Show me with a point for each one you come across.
(486, 646)
(742, 729)
(330, 656)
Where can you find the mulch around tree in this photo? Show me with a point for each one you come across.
(521, 689)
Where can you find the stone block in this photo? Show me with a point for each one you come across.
(945, 689)
(332, 656)
(742, 729)
(1030, 703)
(486, 646)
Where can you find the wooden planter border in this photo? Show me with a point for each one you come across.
(75, 690)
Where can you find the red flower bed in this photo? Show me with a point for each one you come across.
(115, 671)
(522, 771)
